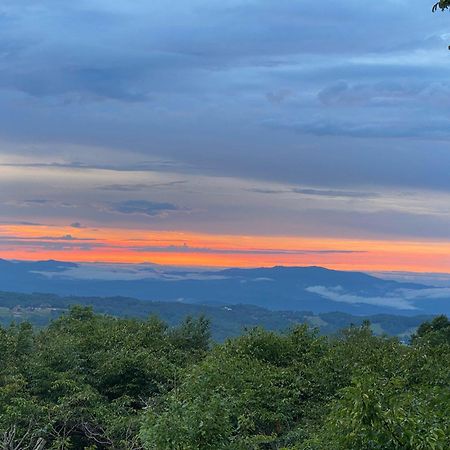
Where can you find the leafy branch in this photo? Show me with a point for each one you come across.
(442, 5)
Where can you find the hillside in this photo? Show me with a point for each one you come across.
(226, 321)
(90, 381)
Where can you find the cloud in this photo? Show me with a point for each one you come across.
(269, 191)
(330, 193)
(77, 225)
(36, 201)
(233, 251)
(425, 294)
(47, 243)
(382, 93)
(385, 128)
(399, 299)
(279, 96)
(337, 294)
(123, 187)
(34, 239)
(138, 166)
(334, 193)
(115, 272)
(138, 186)
(144, 207)
(41, 202)
(257, 92)
(20, 222)
(426, 278)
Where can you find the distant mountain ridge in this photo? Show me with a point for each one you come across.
(317, 275)
(315, 289)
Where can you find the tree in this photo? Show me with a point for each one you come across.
(442, 5)
(386, 414)
(94, 382)
(246, 394)
(434, 333)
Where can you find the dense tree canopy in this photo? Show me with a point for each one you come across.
(95, 382)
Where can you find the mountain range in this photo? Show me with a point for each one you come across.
(315, 289)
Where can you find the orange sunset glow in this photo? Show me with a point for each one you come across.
(115, 245)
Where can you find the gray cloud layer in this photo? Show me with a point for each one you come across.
(341, 102)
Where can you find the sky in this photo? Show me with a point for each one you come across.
(237, 133)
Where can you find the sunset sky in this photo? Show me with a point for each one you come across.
(236, 133)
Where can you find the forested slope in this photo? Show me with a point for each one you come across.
(226, 321)
(91, 381)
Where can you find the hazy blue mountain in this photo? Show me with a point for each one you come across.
(313, 289)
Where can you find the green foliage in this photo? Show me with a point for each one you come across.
(92, 382)
(86, 379)
(241, 395)
(435, 332)
(386, 414)
(225, 322)
(398, 397)
(442, 5)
